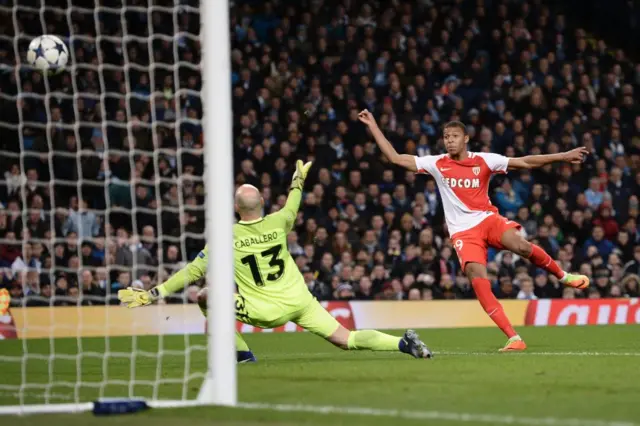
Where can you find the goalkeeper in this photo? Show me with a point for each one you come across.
(271, 290)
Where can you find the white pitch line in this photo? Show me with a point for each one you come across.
(529, 353)
(433, 415)
(456, 353)
(52, 395)
(377, 412)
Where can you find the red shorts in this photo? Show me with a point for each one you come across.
(472, 245)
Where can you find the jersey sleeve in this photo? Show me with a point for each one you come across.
(193, 271)
(286, 217)
(426, 164)
(497, 163)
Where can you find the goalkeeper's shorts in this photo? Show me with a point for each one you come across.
(312, 317)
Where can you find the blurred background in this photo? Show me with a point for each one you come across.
(101, 166)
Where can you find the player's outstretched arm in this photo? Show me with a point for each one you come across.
(193, 271)
(290, 209)
(403, 160)
(575, 156)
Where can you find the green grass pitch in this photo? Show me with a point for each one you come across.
(583, 373)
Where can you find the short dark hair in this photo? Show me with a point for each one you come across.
(457, 125)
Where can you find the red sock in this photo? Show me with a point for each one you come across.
(540, 258)
(491, 306)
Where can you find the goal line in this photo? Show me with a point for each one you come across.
(446, 416)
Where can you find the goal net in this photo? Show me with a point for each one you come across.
(102, 188)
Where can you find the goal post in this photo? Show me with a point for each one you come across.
(219, 173)
(90, 366)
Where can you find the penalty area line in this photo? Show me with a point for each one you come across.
(431, 415)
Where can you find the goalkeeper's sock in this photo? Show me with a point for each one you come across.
(372, 340)
(491, 306)
(241, 345)
(243, 353)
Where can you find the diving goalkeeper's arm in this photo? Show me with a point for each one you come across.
(197, 269)
(193, 271)
(290, 210)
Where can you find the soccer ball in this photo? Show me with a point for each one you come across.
(48, 54)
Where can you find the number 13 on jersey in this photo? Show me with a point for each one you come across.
(267, 259)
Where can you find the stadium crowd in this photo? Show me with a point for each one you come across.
(110, 192)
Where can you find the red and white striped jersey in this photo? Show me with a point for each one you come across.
(464, 186)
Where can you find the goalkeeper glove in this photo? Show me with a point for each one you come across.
(297, 182)
(135, 297)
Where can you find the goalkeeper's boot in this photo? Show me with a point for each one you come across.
(243, 357)
(412, 345)
(576, 281)
(514, 344)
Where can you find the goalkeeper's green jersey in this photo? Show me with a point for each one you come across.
(265, 273)
(264, 269)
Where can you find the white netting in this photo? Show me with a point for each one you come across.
(101, 187)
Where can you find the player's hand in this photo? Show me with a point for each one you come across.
(135, 297)
(302, 169)
(576, 156)
(367, 118)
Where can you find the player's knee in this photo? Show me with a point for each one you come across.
(475, 270)
(202, 298)
(514, 241)
(339, 342)
(341, 345)
(340, 338)
(522, 247)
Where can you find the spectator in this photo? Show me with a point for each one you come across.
(526, 289)
(81, 220)
(191, 292)
(603, 246)
(606, 221)
(149, 241)
(62, 286)
(506, 289)
(633, 266)
(292, 244)
(88, 258)
(594, 194)
(631, 285)
(10, 249)
(508, 200)
(90, 290)
(602, 281)
(131, 254)
(123, 281)
(365, 289)
(522, 186)
(14, 180)
(27, 261)
(317, 288)
(344, 291)
(102, 279)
